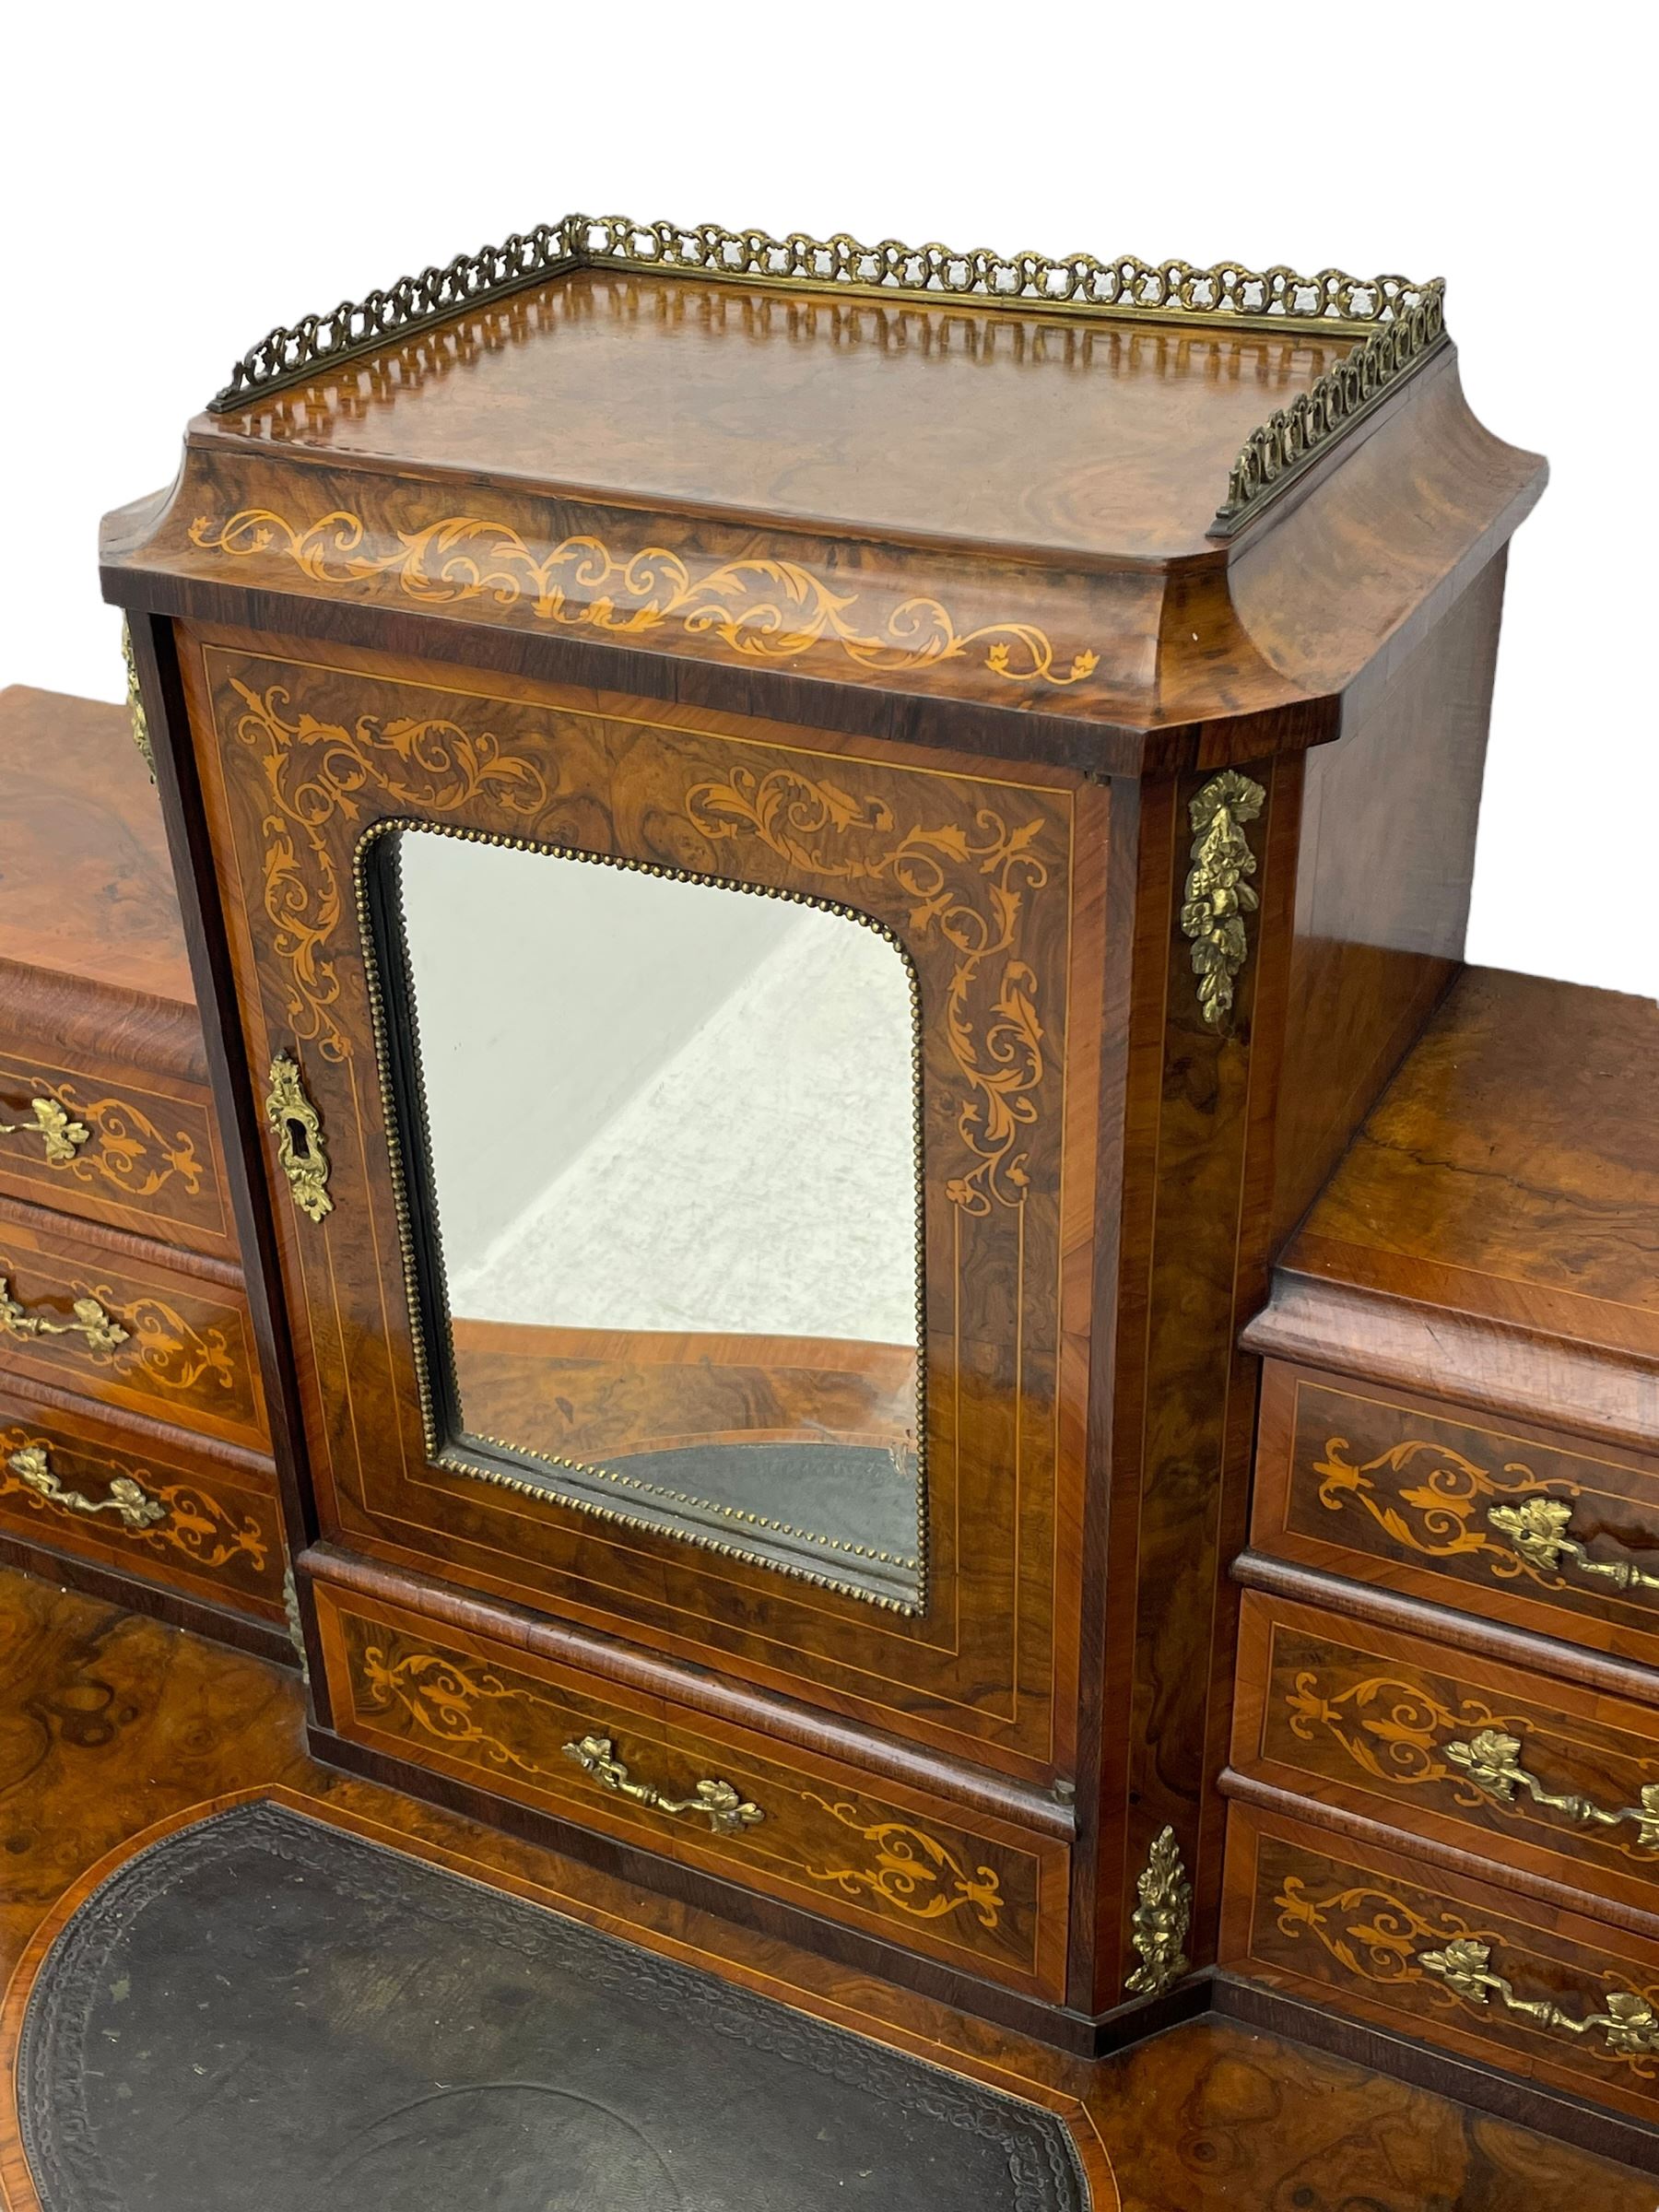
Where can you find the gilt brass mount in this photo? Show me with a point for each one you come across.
(1628, 2022)
(718, 1802)
(1491, 1760)
(128, 1500)
(300, 1151)
(1537, 1529)
(102, 1332)
(1161, 1919)
(1218, 896)
(50, 1121)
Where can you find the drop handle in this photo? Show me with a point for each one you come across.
(49, 1120)
(101, 1331)
(1536, 1530)
(1627, 2022)
(726, 1813)
(129, 1501)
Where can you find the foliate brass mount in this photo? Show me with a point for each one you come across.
(726, 1813)
(50, 1121)
(300, 1151)
(135, 699)
(1162, 1918)
(128, 1500)
(1628, 2022)
(1536, 1529)
(1491, 1760)
(102, 1332)
(1217, 898)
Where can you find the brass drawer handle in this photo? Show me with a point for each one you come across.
(102, 1333)
(728, 1814)
(1491, 1760)
(1536, 1530)
(128, 1500)
(1628, 2022)
(51, 1123)
(300, 1152)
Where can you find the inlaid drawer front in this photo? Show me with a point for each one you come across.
(158, 1513)
(1533, 1774)
(1496, 1977)
(981, 1894)
(1494, 1522)
(93, 1319)
(130, 1154)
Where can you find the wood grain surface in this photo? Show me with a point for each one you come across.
(119, 1729)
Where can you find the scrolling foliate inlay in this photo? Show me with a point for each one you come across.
(189, 1519)
(761, 609)
(314, 772)
(968, 889)
(114, 1141)
(1378, 1937)
(910, 1870)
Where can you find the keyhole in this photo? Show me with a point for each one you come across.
(299, 1141)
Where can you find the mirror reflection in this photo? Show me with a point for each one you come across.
(668, 1202)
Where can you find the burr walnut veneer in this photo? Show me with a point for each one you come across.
(1117, 645)
(1444, 1778)
(134, 1451)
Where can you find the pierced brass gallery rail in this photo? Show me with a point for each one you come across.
(102, 1333)
(51, 1123)
(300, 1151)
(1536, 1530)
(1217, 898)
(1401, 321)
(127, 1499)
(718, 1802)
(1628, 2023)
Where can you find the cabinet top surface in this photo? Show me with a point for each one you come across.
(85, 884)
(960, 421)
(1512, 1169)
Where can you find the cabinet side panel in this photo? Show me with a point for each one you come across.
(1383, 888)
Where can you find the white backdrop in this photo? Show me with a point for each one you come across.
(177, 177)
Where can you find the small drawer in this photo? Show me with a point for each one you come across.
(164, 1512)
(1424, 1498)
(1537, 1775)
(980, 1894)
(102, 1317)
(1470, 1968)
(136, 1153)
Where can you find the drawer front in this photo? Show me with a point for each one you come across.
(162, 1513)
(1495, 1521)
(138, 1155)
(1476, 1970)
(93, 1318)
(979, 1894)
(1533, 1774)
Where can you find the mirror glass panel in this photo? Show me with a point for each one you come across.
(660, 1142)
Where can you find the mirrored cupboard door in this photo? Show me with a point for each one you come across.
(675, 1143)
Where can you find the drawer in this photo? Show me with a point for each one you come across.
(982, 1895)
(1537, 1775)
(164, 1511)
(137, 1153)
(1466, 1966)
(110, 1319)
(1460, 1510)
